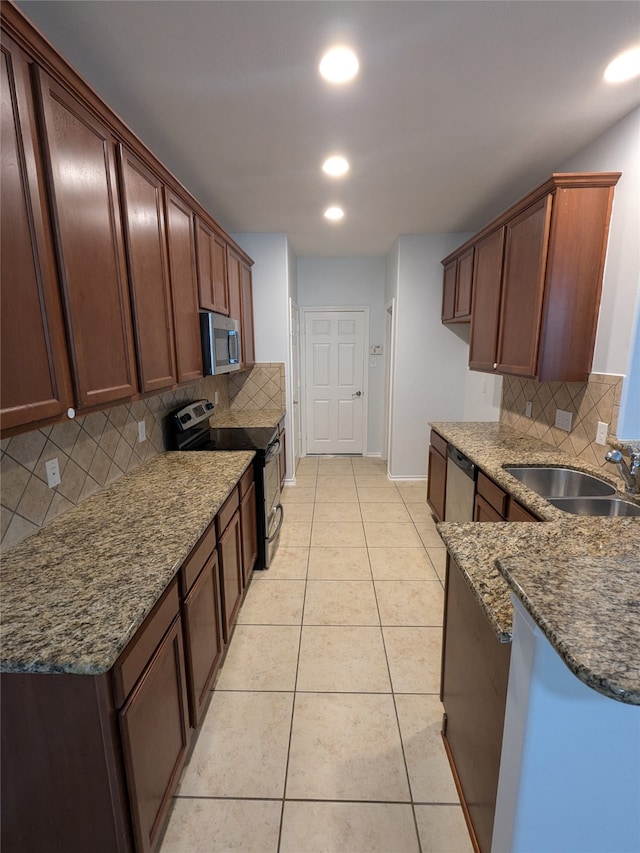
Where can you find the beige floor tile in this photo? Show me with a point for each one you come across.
(339, 564)
(442, 829)
(330, 494)
(396, 512)
(421, 513)
(340, 603)
(378, 495)
(299, 513)
(429, 535)
(346, 746)
(335, 466)
(410, 602)
(273, 603)
(298, 494)
(342, 659)
(438, 557)
(261, 657)
(348, 827)
(420, 728)
(401, 564)
(242, 747)
(306, 478)
(381, 534)
(289, 563)
(368, 479)
(307, 463)
(217, 826)
(341, 534)
(368, 463)
(414, 658)
(337, 512)
(336, 481)
(413, 491)
(295, 534)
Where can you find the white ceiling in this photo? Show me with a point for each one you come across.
(459, 108)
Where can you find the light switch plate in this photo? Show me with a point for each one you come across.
(52, 470)
(602, 432)
(142, 431)
(563, 420)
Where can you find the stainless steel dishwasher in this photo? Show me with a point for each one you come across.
(461, 477)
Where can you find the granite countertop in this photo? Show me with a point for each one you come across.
(247, 418)
(588, 607)
(482, 551)
(75, 593)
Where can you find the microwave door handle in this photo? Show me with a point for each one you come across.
(233, 347)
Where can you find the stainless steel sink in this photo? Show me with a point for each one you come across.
(596, 506)
(560, 482)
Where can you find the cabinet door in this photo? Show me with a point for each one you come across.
(234, 278)
(203, 637)
(464, 286)
(249, 522)
(36, 382)
(212, 269)
(155, 734)
(483, 511)
(230, 553)
(526, 244)
(436, 482)
(519, 513)
(143, 215)
(247, 336)
(449, 291)
(487, 284)
(93, 275)
(184, 287)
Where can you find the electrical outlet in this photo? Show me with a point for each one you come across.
(52, 470)
(528, 407)
(142, 431)
(602, 433)
(563, 420)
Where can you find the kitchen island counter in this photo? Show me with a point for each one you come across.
(75, 593)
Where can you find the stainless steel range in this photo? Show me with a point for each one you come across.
(188, 429)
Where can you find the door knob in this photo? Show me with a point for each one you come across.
(357, 394)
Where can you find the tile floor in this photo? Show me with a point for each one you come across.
(323, 731)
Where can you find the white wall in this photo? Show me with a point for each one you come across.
(617, 346)
(431, 360)
(352, 281)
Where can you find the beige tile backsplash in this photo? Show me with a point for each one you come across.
(598, 399)
(95, 450)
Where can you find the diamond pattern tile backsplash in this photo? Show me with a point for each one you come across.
(598, 399)
(95, 450)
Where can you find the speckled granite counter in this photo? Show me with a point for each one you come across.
(589, 609)
(247, 418)
(562, 540)
(74, 594)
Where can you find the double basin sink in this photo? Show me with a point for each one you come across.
(574, 491)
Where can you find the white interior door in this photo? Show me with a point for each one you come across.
(334, 381)
(295, 383)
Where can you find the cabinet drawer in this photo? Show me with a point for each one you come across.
(492, 493)
(438, 442)
(196, 560)
(226, 512)
(246, 481)
(129, 666)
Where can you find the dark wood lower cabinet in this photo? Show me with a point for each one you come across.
(155, 737)
(473, 689)
(230, 553)
(437, 475)
(249, 524)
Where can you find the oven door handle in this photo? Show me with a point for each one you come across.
(274, 535)
(274, 449)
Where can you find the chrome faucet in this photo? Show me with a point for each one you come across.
(629, 473)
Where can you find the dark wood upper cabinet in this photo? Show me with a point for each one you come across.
(487, 287)
(80, 155)
(535, 303)
(449, 291)
(234, 279)
(248, 341)
(212, 268)
(143, 215)
(464, 283)
(36, 382)
(184, 286)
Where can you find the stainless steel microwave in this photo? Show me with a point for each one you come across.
(221, 351)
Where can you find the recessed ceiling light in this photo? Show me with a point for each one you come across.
(623, 67)
(334, 213)
(335, 166)
(339, 65)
